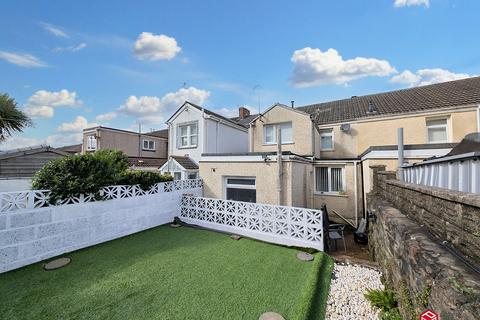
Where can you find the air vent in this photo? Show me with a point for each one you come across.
(345, 127)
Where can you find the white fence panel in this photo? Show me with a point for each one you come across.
(457, 174)
(31, 230)
(277, 224)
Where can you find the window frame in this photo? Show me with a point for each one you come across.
(148, 145)
(275, 126)
(239, 186)
(446, 126)
(329, 181)
(328, 133)
(89, 143)
(188, 135)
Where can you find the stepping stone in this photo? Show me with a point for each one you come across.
(271, 316)
(235, 237)
(175, 225)
(303, 256)
(57, 263)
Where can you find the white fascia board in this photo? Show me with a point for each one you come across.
(232, 159)
(393, 154)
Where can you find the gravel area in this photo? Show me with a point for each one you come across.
(346, 299)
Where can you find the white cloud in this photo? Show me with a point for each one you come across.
(155, 47)
(42, 103)
(54, 30)
(409, 3)
(71, 48)
(19, 142)
(156, 110)
(55, 140)
(77, 125)
(22, 60)
(312, 67)
(427, 76)
(106, 116)
(60, 140)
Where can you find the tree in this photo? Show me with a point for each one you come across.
(11, 118)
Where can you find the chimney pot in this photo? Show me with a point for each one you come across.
(293, 103)
(243, 112)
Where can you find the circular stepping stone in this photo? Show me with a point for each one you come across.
(175, 225)
(57, 263)
(303, 256)
(235, 237)
(271, 316)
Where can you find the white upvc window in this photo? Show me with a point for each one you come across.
(326, 140)
(270, 133)
(241, 189)
(91, 143)
(437, 130)
(149, 145)
(329, 180)
(188, 135)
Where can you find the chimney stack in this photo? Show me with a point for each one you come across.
(293, 104)
(243, 112)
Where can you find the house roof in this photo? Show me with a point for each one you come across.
(186, 162)
(74, 148)
(29, 150)
(424, 98)
(246, 120)
(159, 133)
(146, 162)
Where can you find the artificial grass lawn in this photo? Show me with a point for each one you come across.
(168, 273)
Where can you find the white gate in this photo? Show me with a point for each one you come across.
(277, 224)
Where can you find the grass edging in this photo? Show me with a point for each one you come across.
(313, 302)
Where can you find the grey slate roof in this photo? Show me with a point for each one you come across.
(146, 162)
(186, 162)
(246, 120)
(436, 96)
(236, 120)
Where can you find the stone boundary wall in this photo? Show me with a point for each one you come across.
(31, 235)
(416, 264)
(450, 215)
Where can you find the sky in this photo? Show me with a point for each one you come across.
(71, 65)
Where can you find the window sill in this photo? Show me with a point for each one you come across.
(149, 150)
(274, 144)
(327, 150)
(330, 194)
(190, 147)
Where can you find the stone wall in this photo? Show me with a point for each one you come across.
(407, 239)
(31, 235)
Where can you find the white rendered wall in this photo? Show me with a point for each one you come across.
(222, 138)
(31, 235)
(186, 116)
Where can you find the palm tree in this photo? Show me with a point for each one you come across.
(11, 118)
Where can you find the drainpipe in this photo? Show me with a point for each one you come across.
(400, 153)
(355, 191)
(279, 163)
(250, 138)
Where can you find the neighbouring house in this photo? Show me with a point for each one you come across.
(328, 148)
(72, 149)
(18, 166)
(145, 151)
(194, 130)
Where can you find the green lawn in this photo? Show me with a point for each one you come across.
(168, 273)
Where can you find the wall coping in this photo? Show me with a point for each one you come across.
(446, 194)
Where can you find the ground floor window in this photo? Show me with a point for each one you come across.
(192, 175)
(241, 189)
(329, 179)
(177, 176)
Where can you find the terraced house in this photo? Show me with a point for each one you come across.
(327, 148)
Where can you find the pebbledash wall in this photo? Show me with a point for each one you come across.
(31, 231)
(427, 241)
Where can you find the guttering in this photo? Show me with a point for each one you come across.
(462, 157)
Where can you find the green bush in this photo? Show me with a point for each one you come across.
(81, 174)
(386, 301)
(146, 179)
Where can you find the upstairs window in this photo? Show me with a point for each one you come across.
(270, 133)
(91, 143)
(188, 135)
(326, 140)
(437, 131)
(329, 179)
(149, 145)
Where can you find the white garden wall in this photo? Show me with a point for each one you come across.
(31, 232)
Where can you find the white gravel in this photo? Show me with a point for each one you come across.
(346, 299)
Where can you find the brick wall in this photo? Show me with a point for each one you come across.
(408, 238)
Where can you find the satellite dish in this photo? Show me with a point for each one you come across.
(345, 127)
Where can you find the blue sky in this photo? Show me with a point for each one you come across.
(75, 64)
